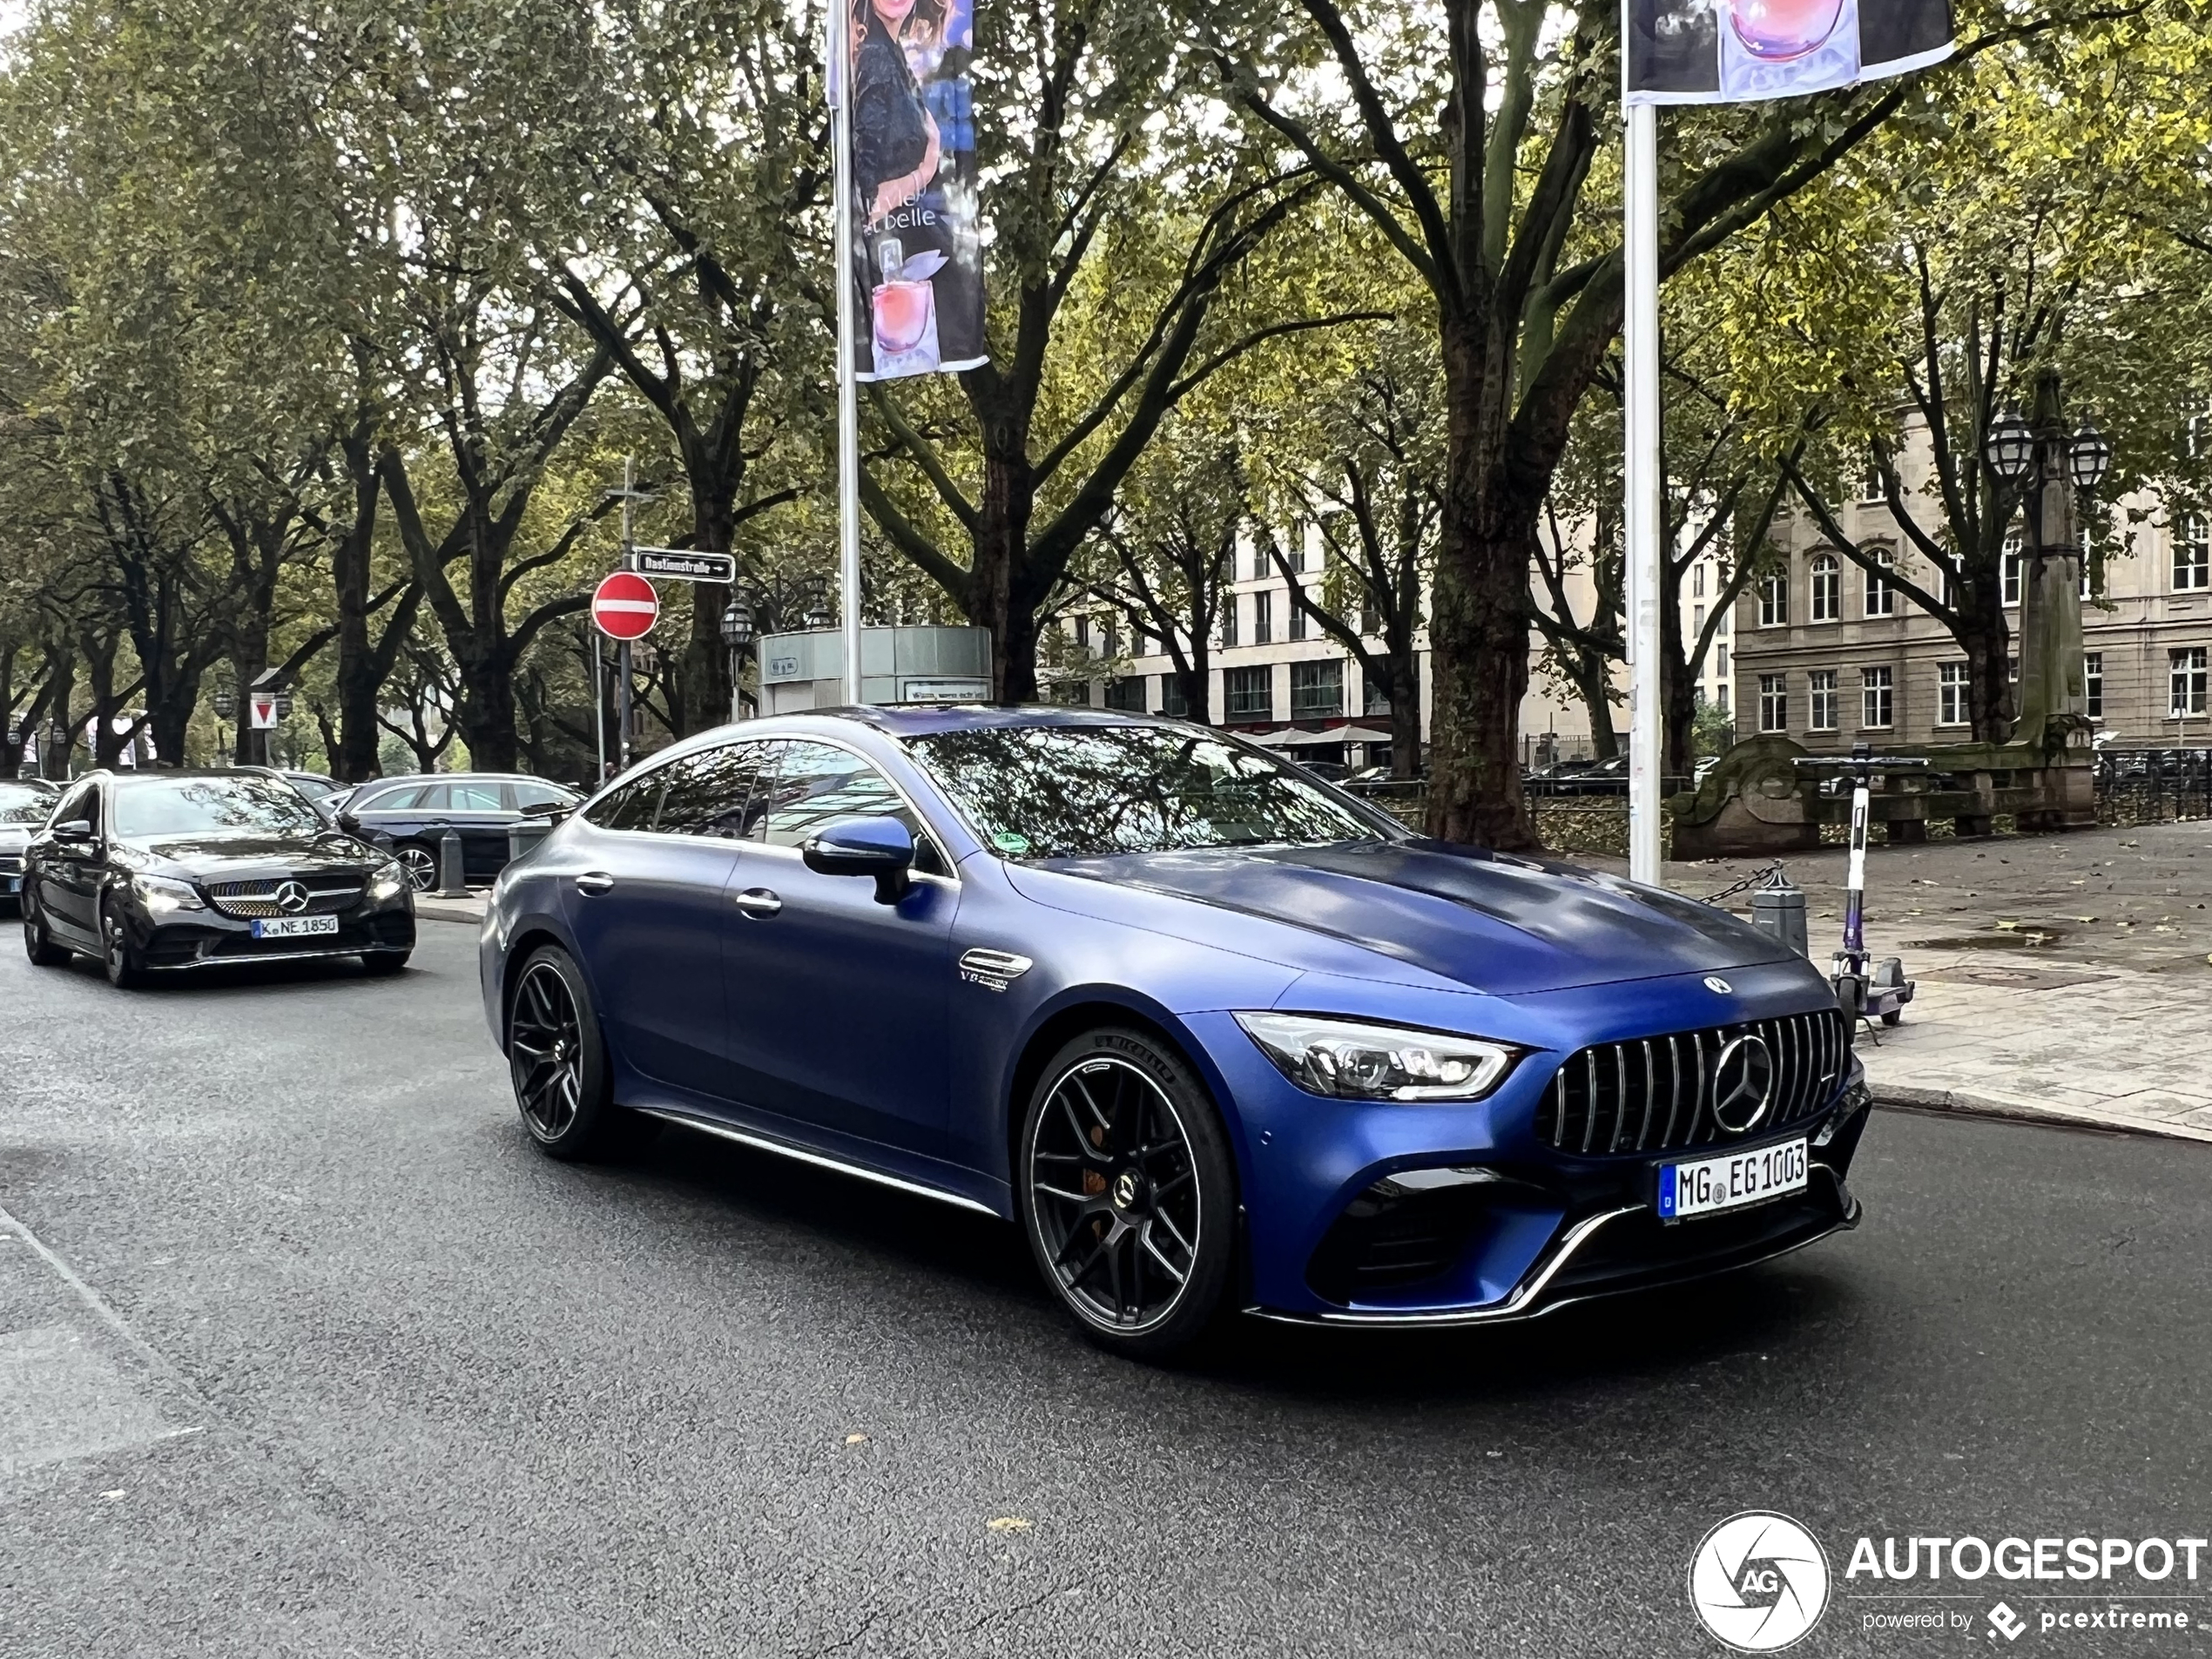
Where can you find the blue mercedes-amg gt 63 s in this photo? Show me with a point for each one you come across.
(1215, 1035)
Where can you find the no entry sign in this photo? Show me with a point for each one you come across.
(625, 606)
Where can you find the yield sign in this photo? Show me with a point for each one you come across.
(625, 606)
(264, 707)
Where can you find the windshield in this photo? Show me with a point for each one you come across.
(1081, 792)
(20, 804)
(205, 805)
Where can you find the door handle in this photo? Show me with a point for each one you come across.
(759, 903)
(594, 881)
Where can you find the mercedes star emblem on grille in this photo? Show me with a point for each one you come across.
(1742, 1082)
(291, 898)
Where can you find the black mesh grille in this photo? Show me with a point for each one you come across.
(329, 893)
(1655, 1093)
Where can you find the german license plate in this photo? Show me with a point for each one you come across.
(1730, 1182)
(293, 926)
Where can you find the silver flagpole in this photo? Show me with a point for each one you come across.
(848, 406)
(1640, 348)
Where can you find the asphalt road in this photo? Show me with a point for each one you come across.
(304, 1349)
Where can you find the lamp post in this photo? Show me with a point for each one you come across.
(2045, 469)
(737, 637)
(225, 702)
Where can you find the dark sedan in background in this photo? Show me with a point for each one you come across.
(409, 816)
(166, 871)
(24, 806)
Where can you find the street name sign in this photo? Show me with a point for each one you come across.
(680, 565)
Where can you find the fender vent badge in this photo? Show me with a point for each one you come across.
(993, 969)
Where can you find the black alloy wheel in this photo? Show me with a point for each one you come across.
(125, 971)
(559, 1064)
(421, 867)
(1129, 1193)
(38, 944)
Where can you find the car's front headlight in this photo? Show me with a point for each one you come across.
(161, 896)
(387, 883)
(1355, 1060)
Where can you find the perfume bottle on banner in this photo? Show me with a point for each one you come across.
(1776, 48)
(903, 308)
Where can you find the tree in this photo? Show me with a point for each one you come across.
(1117, 229)
(1487, 204)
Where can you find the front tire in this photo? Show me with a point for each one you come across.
(558, 1060)
(421, 867)
(126, 968)
(1127, 1193)
(38, 944)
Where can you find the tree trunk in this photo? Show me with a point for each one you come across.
(1594, 684)
(699, 680)
(53, 758)
(1001, 546)
(1478, 624)
(358, 682)
(1987, 641)
(486, 715)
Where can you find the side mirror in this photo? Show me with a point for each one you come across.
(882, 847)
(73, 829)
(349, 823)
(551, 811)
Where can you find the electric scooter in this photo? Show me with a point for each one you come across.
(1865, 989)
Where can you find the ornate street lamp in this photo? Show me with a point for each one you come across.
(2010, 447)
(737, 635)
(2088, 458)
(225, 702)
(817, 616)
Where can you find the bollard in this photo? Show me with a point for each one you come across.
(452, 883)
(1778, 908)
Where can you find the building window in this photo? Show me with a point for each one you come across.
(1720, 661)
(1228, 619)
(1820, 700)
(1075, 693)
(2008, 571)
(1251, 693)
(1774, 602)
(1173, 703)
(1877, 697)
(1881, 595)
(1263, 618)
(2193, 555)
(1697, 620)
(1827, 590)
(1082, 633)
(1259, 563)
(1774, 702)
(1720, 697)
(2185, 681)
(1128, 693)
(1317, 689)
(1698, 581)
(2092, 682)
(1869, 481)
(1952, 703)
(1370, 621)
(1297, 622)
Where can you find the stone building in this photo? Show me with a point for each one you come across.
(1830, 655)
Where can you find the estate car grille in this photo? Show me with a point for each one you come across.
(328, 895)
(1655, 1093)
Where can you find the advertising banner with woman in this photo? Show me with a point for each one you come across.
(918, 261)
(1728, 52)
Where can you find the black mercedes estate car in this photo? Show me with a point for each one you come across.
(164, 871)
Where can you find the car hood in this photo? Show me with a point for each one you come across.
(1496, 923)
(221, 858)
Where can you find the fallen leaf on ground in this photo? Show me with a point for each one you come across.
(856, 1439)
(1008, 1523)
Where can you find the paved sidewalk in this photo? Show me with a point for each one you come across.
(430, 908)
(2061, 976)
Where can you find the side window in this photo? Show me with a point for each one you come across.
(629, 808)
(474, 798)
(531, 794)
(388, 801)
(431, 798)
(83, 801)
(716, 792)
(817, 785)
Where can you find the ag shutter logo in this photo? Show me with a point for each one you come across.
(1758, 1581)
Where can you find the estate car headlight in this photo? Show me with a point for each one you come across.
(387, 883)
(162, 895)
(1356, 1060)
